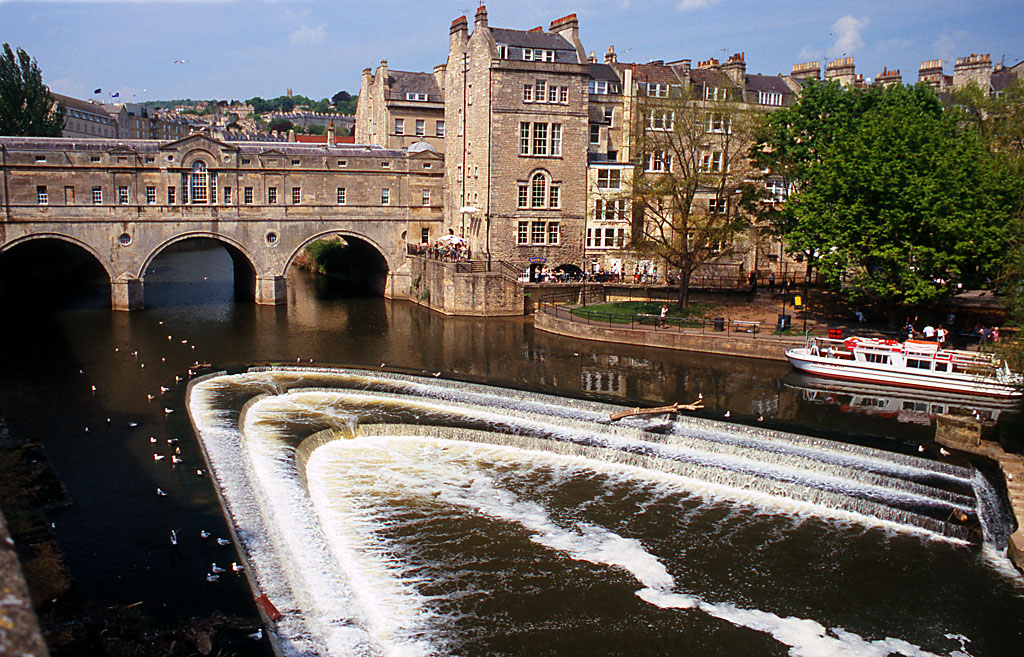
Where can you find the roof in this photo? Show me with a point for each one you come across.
(603, 72)
(153, 146)
(403, 82)
(654, 73)
(1003, 79)
(531, 39)
(771, 83)
(709, 77)
(81, 105)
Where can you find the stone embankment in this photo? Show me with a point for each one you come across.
(754, 345)
(965, 434)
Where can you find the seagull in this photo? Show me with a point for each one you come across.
(179, 61)
(382, 365)
(728, 413)
(169, 337)
(133, 424)
(177, 450)
(920, 448)
(174, 537)
(199, 473)
(94, 388)
(87, 429)
(163, 360)
(211, 578)
(1009, 476)
(81, 371)
(135, 353)
(150, 397)
(943, 451)
(760, 418)
(152, 439)
(168, 410)
(160, 492)
(175, 459)
(164, 389)
(142, 366)
(223, 541)
(171, 441)
(177, 379)
(214, 568)
(108, 420)
(298, 360)
(204, 534)
(237, 567)
(436, 374)
(257, 635)
(158, 457)
(116, 350)
(184, 342)
(161, 322)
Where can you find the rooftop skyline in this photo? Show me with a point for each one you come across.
(229, 49)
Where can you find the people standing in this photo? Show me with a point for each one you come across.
(664, 312)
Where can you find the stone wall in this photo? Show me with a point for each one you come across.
(439, 286)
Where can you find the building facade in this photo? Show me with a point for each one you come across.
(399, 108)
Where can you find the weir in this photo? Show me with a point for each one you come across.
(263, 453)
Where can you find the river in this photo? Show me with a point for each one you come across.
(79, 380)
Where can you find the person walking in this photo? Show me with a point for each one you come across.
(664, 312)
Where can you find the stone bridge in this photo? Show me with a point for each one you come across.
(125, 201)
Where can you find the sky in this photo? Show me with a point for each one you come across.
(238, 49)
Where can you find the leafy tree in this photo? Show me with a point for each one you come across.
(896, 199)
(26, 106)
(341, 97)
(690, 179)
(279, 125)
(316, 129)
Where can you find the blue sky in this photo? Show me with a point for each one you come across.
(244, 48)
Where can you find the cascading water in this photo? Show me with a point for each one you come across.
(396, 515)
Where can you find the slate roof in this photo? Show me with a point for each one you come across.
(603, 72)
(532, 39)
(403, 82)
(153, 146)
(654, 73)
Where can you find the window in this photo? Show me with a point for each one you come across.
(424, 235)
(502, 53)
(777, 190)
(246, 160)
(595, 133)
(439, 129)
(385, 196)
(552, 232)
(527, 93)
(563, 95)
(540, 192)
(554, 196)
(540, 139)
(415, 96)
(150, 160)
(227, 196)
(296, 195)
(661, 120)
(342, 163)
(247, 195)
(882, 359)
(172, 196)
(122, 195)
(341, 196)
(150, 194)
(608, 178)
(714, 93)
(552, 94)
(198, 185)
(717, 122)
(717, 206)
(42, 198)
(523, 233)
(658, 161)
(919, 364)
(610, 209)
(538, 232)
(421, 127)
(541, 88)
(527, 54)
(657, 89)
(608, 111)
(606, 238)
(425, 198)
(40, 158)
(271, 195)
(426, 165)
(295, 163)
(399, 126)
(94, 158)
(769, 98)
(385, 165)
(711, 162)
(524, 195)
(602, 87)
(69, 195)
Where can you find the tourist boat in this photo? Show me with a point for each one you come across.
(914, 363)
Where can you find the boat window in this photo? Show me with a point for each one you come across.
(877, 358)
(940, 367)
(919, 364)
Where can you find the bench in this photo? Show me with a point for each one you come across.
(747, 326)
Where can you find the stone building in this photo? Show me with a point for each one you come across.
(398, 108)
(85, 119)
(516, 107)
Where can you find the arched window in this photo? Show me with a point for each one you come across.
(538, 191)
(198, 183)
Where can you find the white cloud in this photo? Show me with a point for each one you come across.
(847, 32)
(306, 35)
(687, 5)
(949, 45)
(809, 54)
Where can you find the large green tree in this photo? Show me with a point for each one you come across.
(897, 200)
(26, 106)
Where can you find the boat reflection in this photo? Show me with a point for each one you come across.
(904, 405)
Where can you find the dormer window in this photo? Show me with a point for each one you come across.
(415, 96)
(657, 89)
(502, 51)
(714, 93)
(769, 98)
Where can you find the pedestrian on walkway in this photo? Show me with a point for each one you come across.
(664, 312)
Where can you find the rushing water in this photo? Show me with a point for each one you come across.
(451, 544)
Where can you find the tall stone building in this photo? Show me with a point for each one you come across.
(516, 107)
(399, 108)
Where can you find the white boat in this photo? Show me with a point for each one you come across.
(914, 363)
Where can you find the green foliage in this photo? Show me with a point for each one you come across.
(316, 129)
(326, 255)
(894, 199)
(279, 125)
(344, 103)
(26, 106)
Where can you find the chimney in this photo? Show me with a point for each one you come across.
(568, 27)
(974, 68)
(930, 71)
(736, 68)
(592, 58)
(610, 57)
(806, 71)
(888, 78)
(841, 69)
(481, 18)
(330, 133)
(459, 28)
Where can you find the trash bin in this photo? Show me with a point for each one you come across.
(719, 323)
(785, 321)
(835, 334)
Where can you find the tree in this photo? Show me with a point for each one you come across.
(279, 125)
(340, 97)
(690, 178)
(26, 106)
(895, 197)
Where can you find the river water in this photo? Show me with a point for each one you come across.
(497, 548)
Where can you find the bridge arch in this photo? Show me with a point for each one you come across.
(379, 281)
(43, 269)
(246, 273)
(85, 246)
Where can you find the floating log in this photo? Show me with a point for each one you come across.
(671, 408)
